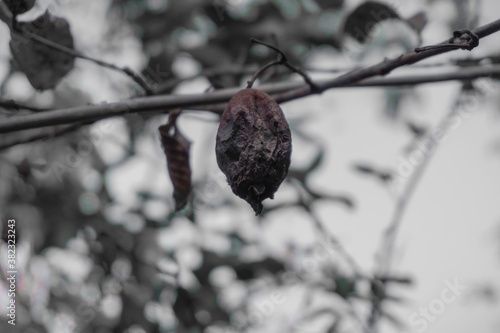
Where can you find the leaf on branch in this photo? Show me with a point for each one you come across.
(176, 148)
(363, 19)
(43, 65)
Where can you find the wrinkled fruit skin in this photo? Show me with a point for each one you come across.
(253, 146)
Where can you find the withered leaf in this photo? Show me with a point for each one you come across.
(176, 148)
(254, 146)
(43, 65)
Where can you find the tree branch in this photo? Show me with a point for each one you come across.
(43, 135)
(232, 69)
(387, 66)
(286, 91)
(213, 101)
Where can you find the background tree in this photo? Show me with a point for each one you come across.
(100, 245)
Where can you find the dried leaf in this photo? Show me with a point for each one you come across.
(254, 146)
(361, 21)
(176, 148)
(43, 65)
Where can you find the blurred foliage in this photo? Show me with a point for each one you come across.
(91, 265)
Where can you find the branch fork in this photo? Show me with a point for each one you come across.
(282, 60)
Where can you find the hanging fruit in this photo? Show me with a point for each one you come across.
(253, 146)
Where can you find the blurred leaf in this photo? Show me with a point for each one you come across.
(395, 279)
(185, 308)
(19, 6)
(251, 270)
(377, 287)
(176, 148)
(369, 170)
(418, 21)
(417, 130)
(394, 97)
(363, 19)
(244, 270)
(330, 4)
(43, 65)
(345, 287)
(363, 168)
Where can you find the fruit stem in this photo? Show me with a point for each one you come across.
(283, 60)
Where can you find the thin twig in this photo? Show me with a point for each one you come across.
(238, 70)
(43, 135)
(220, 70)
(358, 272)
(387, 66)
(386, 253)
(263, 69)
(405, 197)
(283, 60)
(469, 42)
(323, 232)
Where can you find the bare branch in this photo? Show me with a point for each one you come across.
(389, 65)
(44, 134)
(211, 101)
(469, 42)
(286, 91)
(283, 60)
